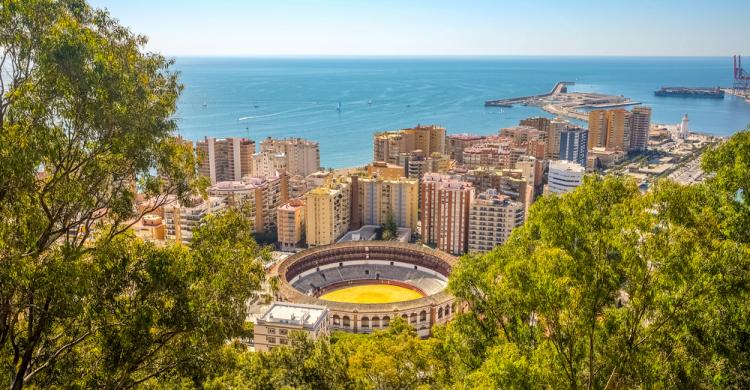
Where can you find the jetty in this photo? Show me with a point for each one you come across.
(560, 87)
(560, 102)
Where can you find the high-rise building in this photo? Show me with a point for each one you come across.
(619, 129)
(256, 197)
(491, 220)
(225, 159)
(388, 145)
(379, 201)
(445, 212)
(327, 213)
(640, 125)
(290, 222)
(556, 127)
(564, 176)
(597, 129)
(302, 157)
(182, 219)
(269, 164)
(574, 145)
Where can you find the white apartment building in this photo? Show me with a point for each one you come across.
(564, 176)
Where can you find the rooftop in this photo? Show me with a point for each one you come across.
(294, 314)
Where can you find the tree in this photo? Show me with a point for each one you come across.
(85, 114)
(601, 283)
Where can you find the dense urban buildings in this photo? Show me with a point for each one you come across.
(256, 197)
(182, 219)
(457, 143)
(388, 145)
(574, 145)
(378, 201)
(327, 213)
(564, 176)
(445, 212)
(225, 159)
(276, 325)
(491, 220)
(301, 157)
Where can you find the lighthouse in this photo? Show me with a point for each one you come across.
(684, 128)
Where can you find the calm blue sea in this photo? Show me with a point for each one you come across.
(283, 97)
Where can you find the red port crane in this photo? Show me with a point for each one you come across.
(741, 76)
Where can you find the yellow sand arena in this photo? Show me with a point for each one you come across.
(372, 293)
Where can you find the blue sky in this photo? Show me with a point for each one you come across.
(438, 27)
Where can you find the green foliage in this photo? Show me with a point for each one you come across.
(85, 116)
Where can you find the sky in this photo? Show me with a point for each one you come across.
(438, 27)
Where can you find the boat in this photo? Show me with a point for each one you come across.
(700, 92)
(338, 108)
(205, 104)
(369, 102)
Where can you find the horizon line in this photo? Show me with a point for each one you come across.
(437, 56)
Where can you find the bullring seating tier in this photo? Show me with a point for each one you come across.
(313, 283)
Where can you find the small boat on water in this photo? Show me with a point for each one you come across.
(369, 102)
(338, 108)
(205, 104)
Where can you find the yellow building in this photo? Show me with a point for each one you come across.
(378, 200)
(388, 145)
(327, 213)
(618, 129)
(385, 170)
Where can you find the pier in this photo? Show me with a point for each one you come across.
(566, 104)
(560, 87)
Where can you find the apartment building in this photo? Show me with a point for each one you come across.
(445, 212)
(327, 213)
(491, 220)
(225, 159)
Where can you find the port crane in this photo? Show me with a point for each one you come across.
(741, 76)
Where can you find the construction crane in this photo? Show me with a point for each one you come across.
(741, 76)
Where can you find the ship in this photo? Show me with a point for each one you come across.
(711, 93)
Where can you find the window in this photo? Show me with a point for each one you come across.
(376, 322)
(413, 318)
(440, 312)
(282, 341)
(423, 316)
(271, 330)
(347, 322)
(337, 319)
(271, 339)
(386, 321)
(283, 331)
(365, 322)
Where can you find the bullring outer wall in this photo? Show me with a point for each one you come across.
(422, 313)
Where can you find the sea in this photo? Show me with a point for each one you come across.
(341, 101)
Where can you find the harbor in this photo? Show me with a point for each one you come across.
(560, 102)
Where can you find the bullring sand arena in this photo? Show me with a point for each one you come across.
(372, 293)
(366, 284)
